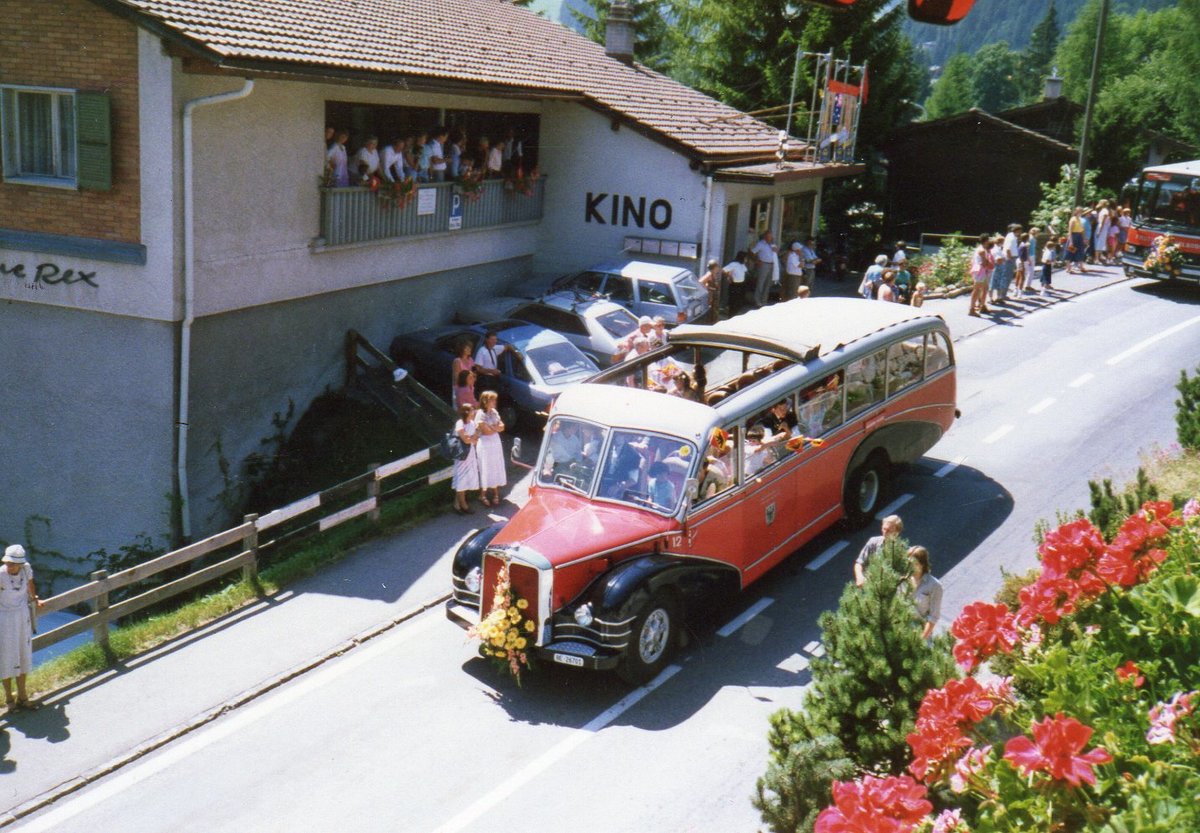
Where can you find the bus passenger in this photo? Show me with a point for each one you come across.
(566, 448)
(757, 453)
(891, 528)
(715, 473)
(662, 491)
(624, 467)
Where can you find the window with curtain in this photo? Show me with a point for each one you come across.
(39, 135)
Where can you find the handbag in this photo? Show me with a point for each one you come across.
(452, 447)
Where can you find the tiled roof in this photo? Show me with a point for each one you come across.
(489, 42)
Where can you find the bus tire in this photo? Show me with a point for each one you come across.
(652, 639)
(864, 491)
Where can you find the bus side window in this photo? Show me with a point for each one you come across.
(905, 362)
(718, 471)
(865, 382)
(820, 407)
(937, 353)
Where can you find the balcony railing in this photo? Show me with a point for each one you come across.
(358, 215)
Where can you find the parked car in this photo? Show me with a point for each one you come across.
(643, 288)
(594, 325)
(545, 364)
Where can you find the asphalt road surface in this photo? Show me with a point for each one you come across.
(411, 732)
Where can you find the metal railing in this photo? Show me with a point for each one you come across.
(359, 215)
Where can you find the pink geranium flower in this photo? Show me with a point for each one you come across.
(1164, 716)
(981, 630)
(1055, 750)
(870, 804)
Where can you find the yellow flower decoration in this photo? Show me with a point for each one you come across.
(521, 642)
(529, 626)
(522, 604)
(685, 451)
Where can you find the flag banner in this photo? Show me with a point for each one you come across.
(842, 88)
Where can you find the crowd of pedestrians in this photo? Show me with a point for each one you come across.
(436, 155)
(752, 277)
(479, 424)
(889, 279)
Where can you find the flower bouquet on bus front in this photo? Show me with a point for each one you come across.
(505, 632)
(1165, 256)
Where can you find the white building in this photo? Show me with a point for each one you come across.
(168, 259)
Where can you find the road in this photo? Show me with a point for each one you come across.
(412, 733)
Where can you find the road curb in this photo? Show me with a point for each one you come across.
(1056, 302)
(64, 789)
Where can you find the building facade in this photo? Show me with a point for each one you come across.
(173, 273)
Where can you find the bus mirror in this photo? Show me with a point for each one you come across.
(689, 496)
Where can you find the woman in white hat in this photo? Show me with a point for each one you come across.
(16, 624)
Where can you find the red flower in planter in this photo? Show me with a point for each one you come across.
(1130, 672)
(894, 804)
(982, 629)
(1055, 750)
(1162, 511)
(1071, 548)
(941, 718)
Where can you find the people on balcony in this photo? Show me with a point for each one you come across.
(437, 154)
(337, 171)
(392, 164)
(366, 161)
(454, 155)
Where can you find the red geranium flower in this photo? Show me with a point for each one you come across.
(944, 713)
(1070, 548)
(1057, 742)
(982, 629)
(1130, 671)
(1162, 511)
(894, 804)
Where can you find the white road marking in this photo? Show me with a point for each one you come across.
(819, 651)
(1082, 380)
(1043, 405)
(997, 435)
(795, 664)
(823, 559)
(492, 516)
(812, 646)
(949, 467)
(1142, 345)
(223, 728)
(891, 508)
(517, 780)
(746, 615)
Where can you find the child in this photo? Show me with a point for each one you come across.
(1048, 256)
(1022, 257)
(918, 296)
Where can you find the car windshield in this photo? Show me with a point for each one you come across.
(618, 323)
(645, 470)
(689, 288)
(558, 361)
(570, 454)
(1176, 202)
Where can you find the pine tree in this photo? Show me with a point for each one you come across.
(799, 778)
(1037, 60)
(651, 32)
(866, 689)
(952, 93)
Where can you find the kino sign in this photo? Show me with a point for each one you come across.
(618, 210)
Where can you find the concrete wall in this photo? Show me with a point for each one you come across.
(584, 156)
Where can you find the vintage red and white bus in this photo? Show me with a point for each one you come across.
(1164, 200)
(643, 500)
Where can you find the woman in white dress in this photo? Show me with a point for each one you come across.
(492, 474)
(16, 625)
(466, 471)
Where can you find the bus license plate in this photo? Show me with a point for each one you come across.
(567, 659)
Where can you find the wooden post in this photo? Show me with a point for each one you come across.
(373, 492)
(250, 544)
(100, 604)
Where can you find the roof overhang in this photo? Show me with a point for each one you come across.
(769, 173)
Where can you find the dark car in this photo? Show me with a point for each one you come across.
(544, 365)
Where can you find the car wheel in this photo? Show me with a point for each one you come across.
(864, 490)
(509, 416)
(652, 640)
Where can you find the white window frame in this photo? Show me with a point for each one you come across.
(12, 150)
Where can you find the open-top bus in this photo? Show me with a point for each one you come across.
(643, 501)
(1165, 200)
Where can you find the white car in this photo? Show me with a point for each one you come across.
(594, 325)
(644, 288)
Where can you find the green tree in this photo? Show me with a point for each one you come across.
(1037, 60)
(953, 93)
(995, 77)
(866, 689)
(1187, 410)
(1058, 199)
(799, 777)
(650, 28)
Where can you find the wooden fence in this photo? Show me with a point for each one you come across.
(238, 548)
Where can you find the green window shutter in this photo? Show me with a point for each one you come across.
(93, 141)
(9, 136)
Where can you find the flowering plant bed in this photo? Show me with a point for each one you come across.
(1165, 256)
(504, 633)
(1097, 728)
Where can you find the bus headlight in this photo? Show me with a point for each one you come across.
(474, 579)
(583, 615)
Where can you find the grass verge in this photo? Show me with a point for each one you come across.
(290, 564)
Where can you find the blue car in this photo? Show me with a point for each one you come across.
(545, 363)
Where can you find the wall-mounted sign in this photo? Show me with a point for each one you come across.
(46, 274)
(426, 201)
(618, 210)
(456, 209)
(671, 248)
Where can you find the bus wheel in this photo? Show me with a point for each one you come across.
(652, 640)
(864, 490)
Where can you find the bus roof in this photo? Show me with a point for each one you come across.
(1191, 168)
(644, 410)
(802, 329)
